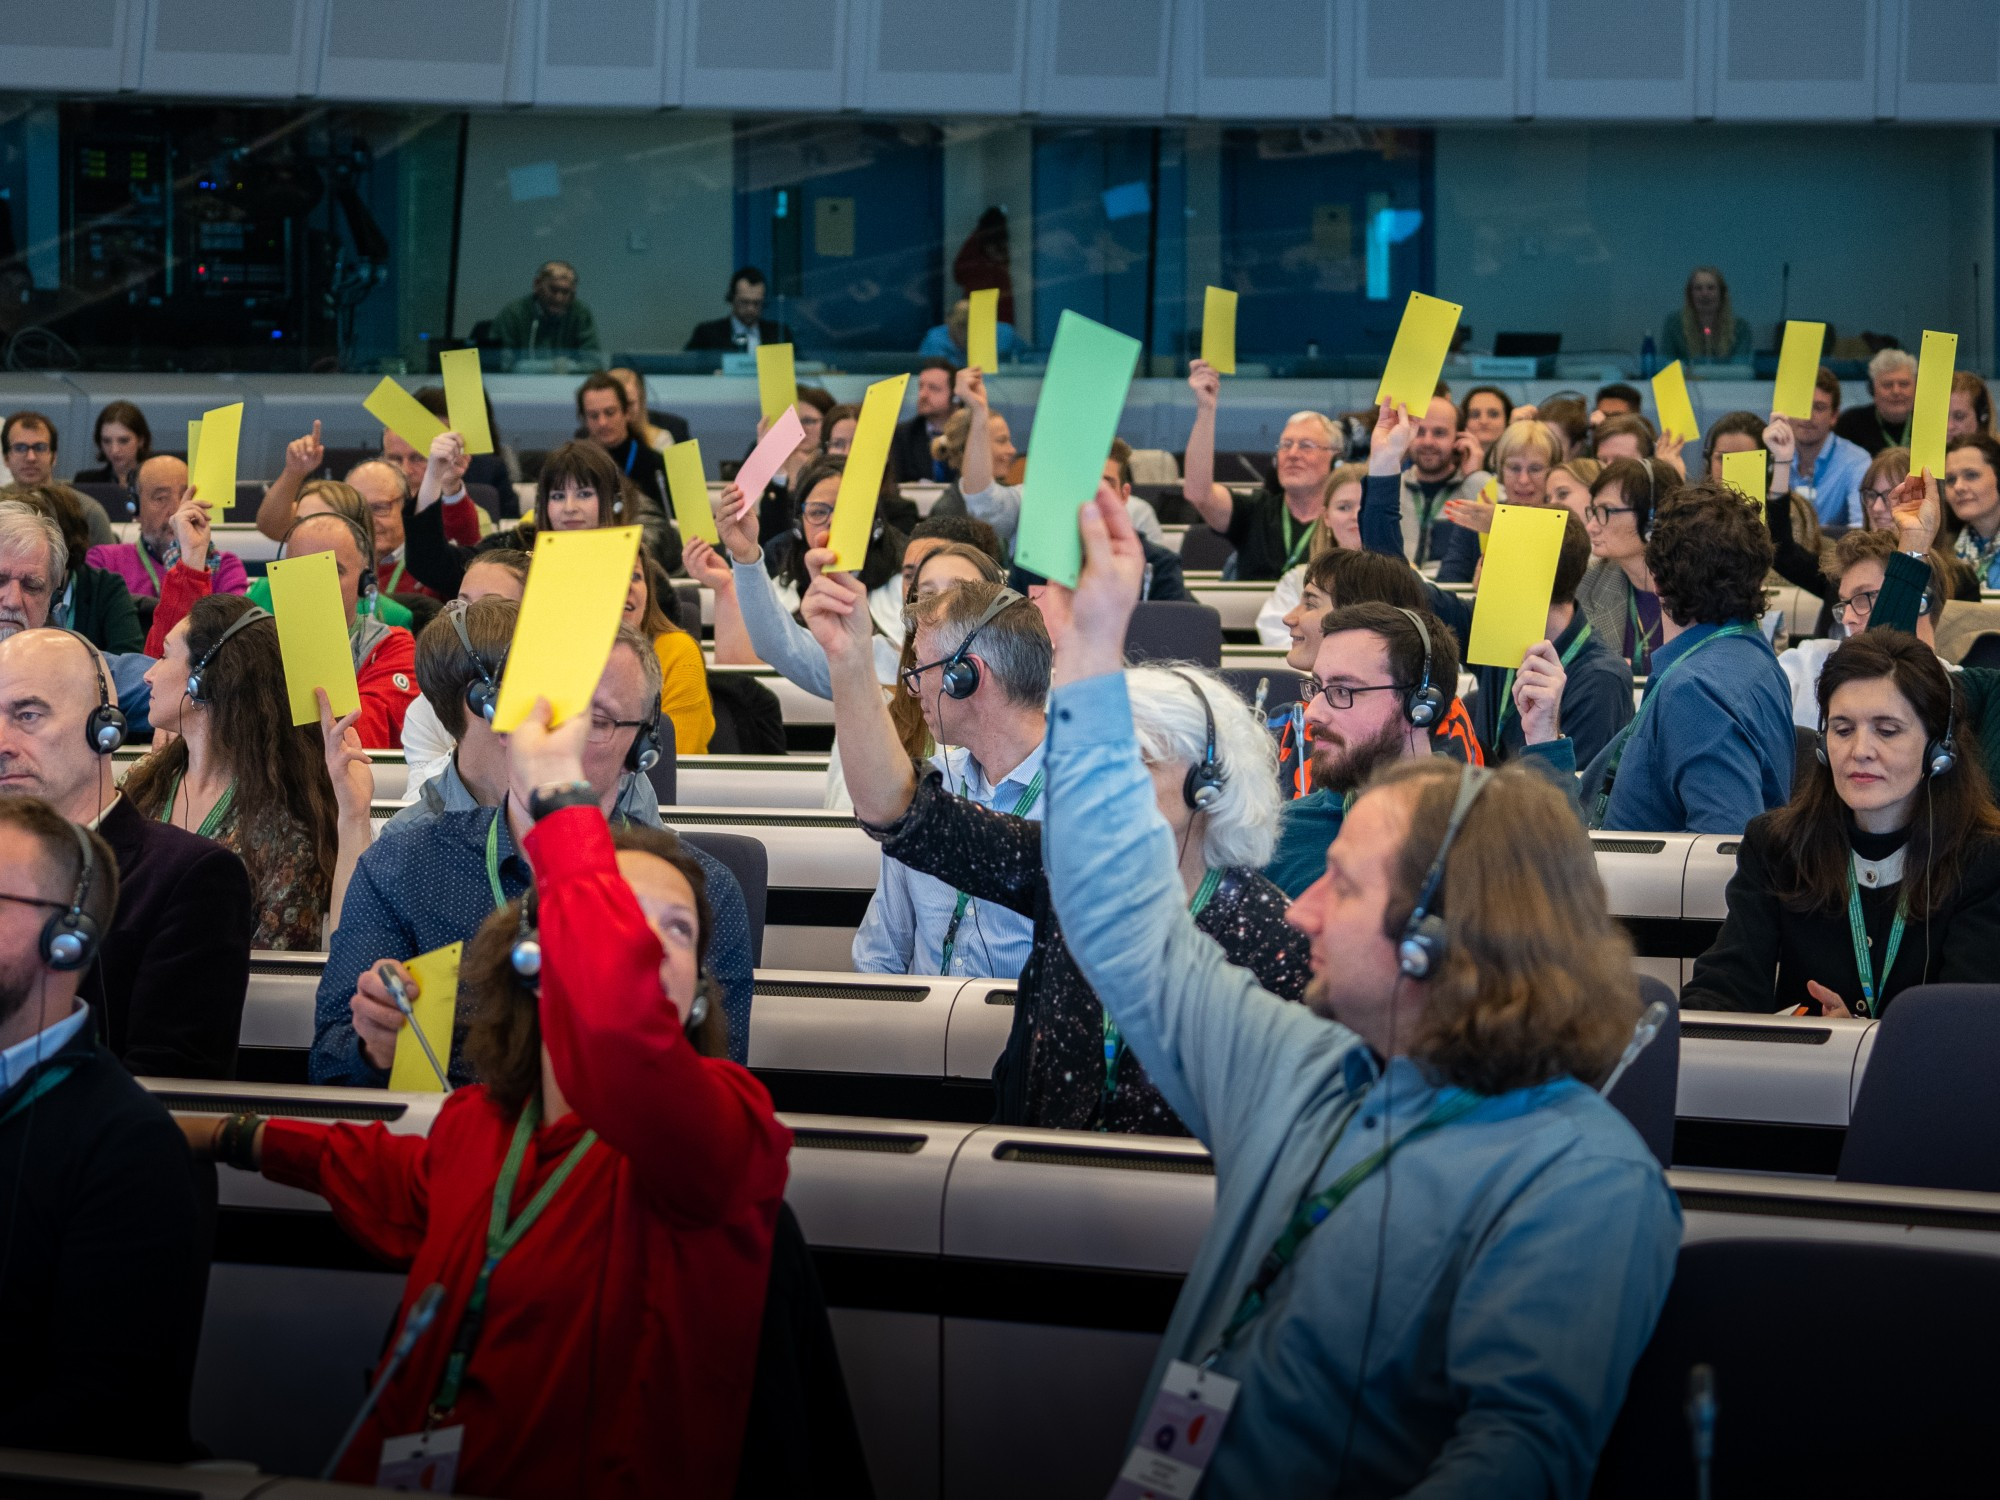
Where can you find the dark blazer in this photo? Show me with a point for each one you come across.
(103, 612)
(168, 985)
(718, 334)
(910, 452)
(106, 1266)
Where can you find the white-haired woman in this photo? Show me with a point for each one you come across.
(1215, 779)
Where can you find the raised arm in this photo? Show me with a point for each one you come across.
(1198, 469)
(278, 508)
(774, 636)
(353, 777)
(1790, 561)
(977, 471)
(1382, 491)
(709, 568)
(879, 775)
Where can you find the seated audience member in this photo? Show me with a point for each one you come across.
(774, 506)
(386, 493)
(33, 566)
(910, 457)
(101, 1280)
(161, 490)
(427, 744)
(448, 859)
(1617, 400)
(881, 565)
(93, 602)
(1212, 776)
(1569, 485)
(838, 429)
(1623, 436)
(336, 497)
(746, 326)
(124, 441)
(946, 340)
(1710, 748)
(459, 660)
(237, 771)
(550, 323)
(1971, 482)
(29, 441)
(1482, 416)
(660, 430)
(499, 469)
(174, 963)
(1971, 408)
(1827, 469)
(285, 499)
(652, 610)
(1519, 1282)
(1885, 421)
(1565, 413)
(1339, 526)
(1523, 458)
(990, 754)
(1883, 871)
(927, 570)
(1855, 577)
(1617, 593)
(606, 409)
(1706, 330)
(660, 1166)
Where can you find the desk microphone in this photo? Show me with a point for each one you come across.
(1701, 1424)
(401, 995)
(1650, 1021)
(422, 1313)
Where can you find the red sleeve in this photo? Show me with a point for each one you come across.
(388, 682)
(376, 1182)
(698, 1131)
(178, 592)
(461, 520)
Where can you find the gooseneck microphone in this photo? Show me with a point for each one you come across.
(422, 1313)
(401, 995)
(1650, 1021)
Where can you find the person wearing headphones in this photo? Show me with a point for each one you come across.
(1617, 594)
(1883, 871)
(1214, 779)
(1472, 1332)
(427, 745)
(101, 1277)
(449, 858)
(598, 1206)
(174, 961)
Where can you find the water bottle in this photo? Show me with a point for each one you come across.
(1649, 359)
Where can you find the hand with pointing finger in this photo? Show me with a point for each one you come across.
(304, 455)
(1830, 1004)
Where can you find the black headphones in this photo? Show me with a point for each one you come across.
(1205, 778)
(525, 958)
(645, 751)
(1652, 501)
(104, 728)
(1420, 952)
(959, 676)
(69, 938)
(483, 696)
(362, 538)
(197, 680)
(1423, 705)
(1940, 755)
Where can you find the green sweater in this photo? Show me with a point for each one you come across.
(524, 329)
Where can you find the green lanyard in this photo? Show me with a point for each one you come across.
(1652, 691)
(146, 562)
(48, 1078)
(1114, 1044)
(1872, 981)
(1507, 686)
(394, 578)
(493, 857)
(216, 814)
(1026, 800)
(1315, 1209)
(1292, 548)
(1642, 643)
(500, 1238)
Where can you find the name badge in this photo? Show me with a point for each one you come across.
(423, 1463)
(1179, 1435)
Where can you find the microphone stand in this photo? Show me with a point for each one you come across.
(422, 1312)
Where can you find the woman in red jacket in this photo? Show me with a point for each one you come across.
(599, 1207)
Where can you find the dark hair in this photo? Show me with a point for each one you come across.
(1879, 546)
(1568, 416)
(279, 768)
(1506, 402)
(885, 543)
(839, 412)
(1648, 485)
(57, 837)
(1625, 423)
(1988, 446)
(444, 671)
(743, 273)
(587, 464)
(502, 1016)
(1406, 644)
(604, 380)
(64, 506)
(1736, 423)
(819, 400)
(1618, 390)
(1572, 562)
(1709, 555)
(1829, 382)
(1982, 399)
(938, 362)
(1121, 455)
(662, 615)
(969, 530)
(1349, 577)
(128, 416)
(29, 419)
(1812, 829)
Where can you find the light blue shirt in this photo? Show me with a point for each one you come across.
(939, 344)
(21, 1059)
(1529, 1245)
(903, 932)
(1835, 485)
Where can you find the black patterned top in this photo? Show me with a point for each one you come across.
(1053, 1070)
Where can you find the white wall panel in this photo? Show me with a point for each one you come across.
(1102, 57)
(777, 55)
(1272, 61)
(438, 52)
(74, 44)
(1778, 61)
(1949, 60)
(1615, 59)
(1438, 59)
(605, 54)
(243, 49)
(959, 57)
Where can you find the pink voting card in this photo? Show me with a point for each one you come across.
(769, 456)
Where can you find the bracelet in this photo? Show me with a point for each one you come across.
(236, 1140)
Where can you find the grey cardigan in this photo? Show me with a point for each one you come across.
(1605, 597)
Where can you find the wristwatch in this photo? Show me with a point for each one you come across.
(557, 795)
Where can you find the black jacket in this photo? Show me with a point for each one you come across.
(103, 1265)
(910, 453)
(102, 611)
(718, 334)
(1863, 425)
(169, 982)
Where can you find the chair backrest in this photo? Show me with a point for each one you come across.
(1204, 549)
(689, 596)
(1983, 652)
(487, 498)
(111, 496)
(335, 462)
(1645, 1094)
(1925, 1114)
(1281, 685)
(1174, 630)
(665, 771)
(1781, 1321)
(750, 864)
(749, 720)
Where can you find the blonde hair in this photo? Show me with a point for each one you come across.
(1529, 434)
(1701, 345)
(1323, 539)
(1583, 470)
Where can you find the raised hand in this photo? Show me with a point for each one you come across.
(835, 609)
(1918, 512)
(1205, 383)
(1538, 690)
(705, 565)
(1779, 440)
(190, 525)
(1394, 427)
(347, 763)
(1667, 449)
(304, 455)
(736, 524)
(1473, 515)
(970, 386)
(1471, 453)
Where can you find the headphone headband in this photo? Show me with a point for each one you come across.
(1423, 705)
(197, 678)
(104, 726)
(1420, 952)
(1202, 788)
(363, 538)
(959, 676)
(481, 697)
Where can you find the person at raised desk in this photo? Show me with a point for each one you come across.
(1706, 330)
(947, 340)
(1885, 421)
(94, 602)
(124, 440)
(1212, 776)
(449, 858)
(551, 323)
(101, 1281)
(162, 489)
(1471, 1333)
(29, 441)
(607, 412)
(598, 1206)
(1883, 871)
(746, 326)
(172, 970)
(912, 458)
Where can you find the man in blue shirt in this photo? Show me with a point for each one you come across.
(1827, 469)
(1472, 1333)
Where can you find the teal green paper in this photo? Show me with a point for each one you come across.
(1090, 370)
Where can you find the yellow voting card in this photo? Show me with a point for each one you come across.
(1745, 472)
(312, 634)
(1218, 329)
(1927, 422)
(1798, 365)
(687, 486)
(861, 482)
(1511, 611)
(982, 330)
(1673, 406)
(777, 380)
(465, 399)
(435, 1007)
(1417, 358)
(569, 618)
(400, 412)
(214, 470)
(194, 443)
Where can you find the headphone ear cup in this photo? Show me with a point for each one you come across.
(1425, 707)
(69, 941)
(1819, 747)
(960, 678)
(1421, 949)
(481, 699)
(106, 728)
(645, 751)
(1939, 758)
(1203, 787)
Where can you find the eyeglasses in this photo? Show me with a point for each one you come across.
(1860, 605)
(818, 515)
(1600, 515)
(1302, 445)
(30, 450)
(1877, 496)
(601, 730)
(1341, 694)
(913, 679)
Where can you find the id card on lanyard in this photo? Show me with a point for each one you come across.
(1030, 795)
